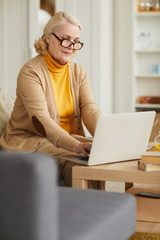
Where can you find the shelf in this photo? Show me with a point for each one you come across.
(147, 50)
(148, 14)
(147, 106)
(147, 76)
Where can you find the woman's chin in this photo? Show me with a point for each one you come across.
(65, 60)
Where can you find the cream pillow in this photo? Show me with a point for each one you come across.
(6, 107)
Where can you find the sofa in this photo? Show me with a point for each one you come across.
(34, 207)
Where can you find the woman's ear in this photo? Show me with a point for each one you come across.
(47, 39)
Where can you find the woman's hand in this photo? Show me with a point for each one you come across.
(83, 147)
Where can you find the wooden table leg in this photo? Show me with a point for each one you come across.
(79, 183)
(128, 185)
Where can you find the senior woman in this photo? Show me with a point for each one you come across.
(53, 97)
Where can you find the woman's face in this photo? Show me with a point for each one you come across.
(59, 53)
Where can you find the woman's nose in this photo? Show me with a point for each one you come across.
(71, 46)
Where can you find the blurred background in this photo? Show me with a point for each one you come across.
(110, 30)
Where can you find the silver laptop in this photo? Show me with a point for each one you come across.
(119, 137)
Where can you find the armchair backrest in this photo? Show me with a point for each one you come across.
(28, 197)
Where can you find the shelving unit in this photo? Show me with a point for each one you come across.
(145, 82)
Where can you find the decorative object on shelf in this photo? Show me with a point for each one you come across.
(148, 99)
(145, 5)
(145, 41)
(156, 68)
(142, 5)
(157, 5)
(148, 5)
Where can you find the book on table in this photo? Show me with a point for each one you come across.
(148, 167)
(151, 157)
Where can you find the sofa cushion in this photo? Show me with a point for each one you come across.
(6, 106)
(94, 214)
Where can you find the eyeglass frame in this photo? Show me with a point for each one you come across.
(72, 43)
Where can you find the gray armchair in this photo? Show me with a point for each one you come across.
(33, 207)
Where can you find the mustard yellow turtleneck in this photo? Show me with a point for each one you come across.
(59, 75)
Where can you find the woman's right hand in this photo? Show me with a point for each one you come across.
(83, 147)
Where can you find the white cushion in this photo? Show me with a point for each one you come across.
(6, 107)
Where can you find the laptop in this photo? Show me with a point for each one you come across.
(119, 137)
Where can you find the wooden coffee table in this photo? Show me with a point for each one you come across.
(126, 172)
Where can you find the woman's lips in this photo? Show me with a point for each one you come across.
(67, 53)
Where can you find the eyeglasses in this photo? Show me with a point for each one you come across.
(67, 43)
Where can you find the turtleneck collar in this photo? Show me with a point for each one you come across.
(53, 66)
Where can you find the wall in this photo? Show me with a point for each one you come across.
(18, 31)
(122, 77)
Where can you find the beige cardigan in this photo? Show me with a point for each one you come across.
(35, 114)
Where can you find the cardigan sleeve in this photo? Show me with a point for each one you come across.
(32, 93)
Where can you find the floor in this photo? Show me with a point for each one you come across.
(147, 227)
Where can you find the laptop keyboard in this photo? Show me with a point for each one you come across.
(85, 158)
